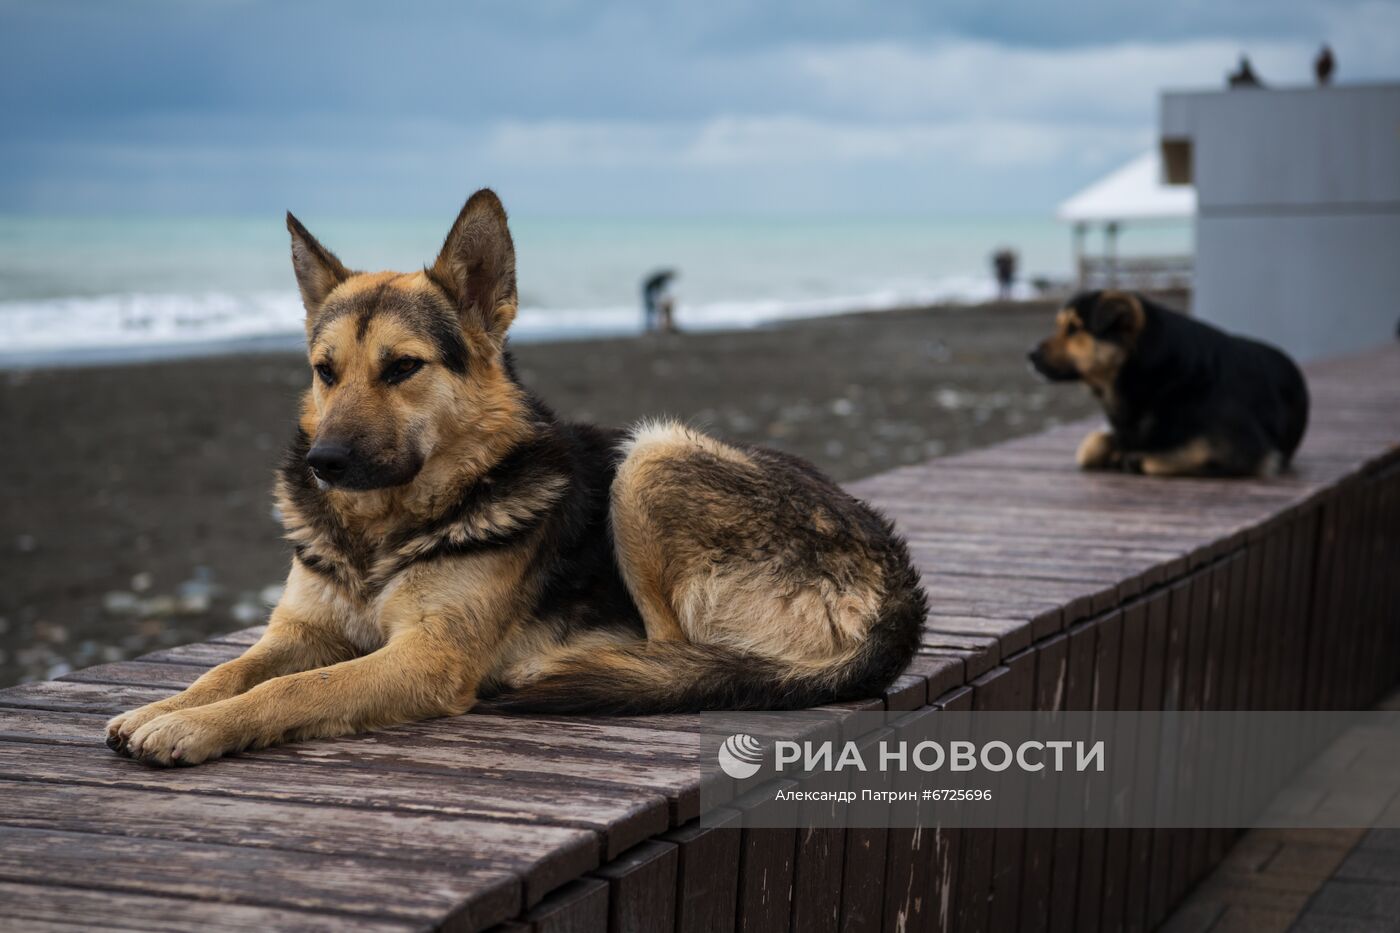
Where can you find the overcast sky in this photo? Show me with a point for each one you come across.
(587, 107)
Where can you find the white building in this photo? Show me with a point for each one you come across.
(1297, 210)
(1135, 194)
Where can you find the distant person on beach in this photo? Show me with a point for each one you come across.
(658, 304)
(1004, 267)
(1324, 65)
(1244, 75)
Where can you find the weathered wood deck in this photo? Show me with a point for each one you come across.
(1049, 588)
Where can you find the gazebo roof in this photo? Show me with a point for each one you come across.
(1133, 192)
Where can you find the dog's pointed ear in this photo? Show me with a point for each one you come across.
(1117, 314)
(476, 267)
(317, 268)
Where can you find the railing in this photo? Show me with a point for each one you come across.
(1144, 273)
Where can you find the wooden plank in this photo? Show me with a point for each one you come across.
(1196, 652)
(642, 889)
(1164, 842)
(944, 673)
(976, 845)
(1093, 842)
(244, 637)
(39, 906)
(68, 696)
(171, 677)
(1064, 867)
(1143, 842)
(863, 859)
(1051, 673)
(1209, 846)
(765, 867)
(578, 907)
(818, 862)
(942, 885)
(1017, 694)
(583, 751)
(1231, 689)
(707, 879)
(968, 661)
(1011, 635)
(908, 692)
(984, 647)
(544, 857)
(910, 851)
(618, 816)
(459, 897)
(1118, 842)
(203, 654)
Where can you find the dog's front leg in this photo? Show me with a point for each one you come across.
(297, 639)
(1099, 451)
(446, 626)
(415, 676)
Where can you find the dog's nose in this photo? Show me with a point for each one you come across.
(329, 460)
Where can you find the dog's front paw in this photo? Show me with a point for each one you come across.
(121, 728)
(1098, 451)
(184, 737)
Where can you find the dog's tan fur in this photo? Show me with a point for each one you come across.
(401, 604)
(1097, 362)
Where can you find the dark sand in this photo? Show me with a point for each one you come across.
(137, 511)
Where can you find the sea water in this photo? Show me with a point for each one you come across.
(104, 289)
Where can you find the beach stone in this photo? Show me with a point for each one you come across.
(193, 603)
(118, 602)
(245, 612)
(158, 606)
(950, 399)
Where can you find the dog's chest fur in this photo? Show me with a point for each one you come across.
(548, 497)
(361, 557)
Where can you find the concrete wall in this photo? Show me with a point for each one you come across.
(1298, 211)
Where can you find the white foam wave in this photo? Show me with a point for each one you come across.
(136, 326)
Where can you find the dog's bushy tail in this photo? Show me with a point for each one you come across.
(645, 677)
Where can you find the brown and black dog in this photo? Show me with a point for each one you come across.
(455, 541)
(1182, 397)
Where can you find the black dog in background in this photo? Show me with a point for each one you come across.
(1182, 397)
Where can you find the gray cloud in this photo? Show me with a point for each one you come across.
(243, 105)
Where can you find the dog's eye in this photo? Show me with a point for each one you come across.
(326, 373)
(1071, 329)
(402, 368)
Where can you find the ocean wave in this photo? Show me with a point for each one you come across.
(138, 326)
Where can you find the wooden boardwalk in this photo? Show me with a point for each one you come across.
(1050, 588)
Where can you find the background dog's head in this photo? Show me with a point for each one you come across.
(1094, 334)
(409, 369)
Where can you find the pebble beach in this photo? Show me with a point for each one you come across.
(138, 511)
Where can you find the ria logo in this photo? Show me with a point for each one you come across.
(741, 756)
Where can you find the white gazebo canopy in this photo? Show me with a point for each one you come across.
(1133, 192)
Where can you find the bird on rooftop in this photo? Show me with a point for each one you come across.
(1244, 75)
